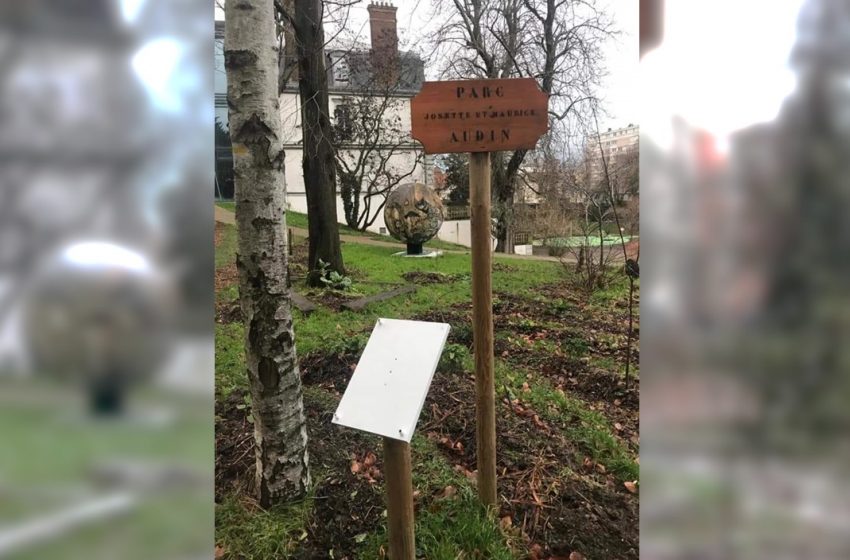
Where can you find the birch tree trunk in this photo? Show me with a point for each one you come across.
(251, 62)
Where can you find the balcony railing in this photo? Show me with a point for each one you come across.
(457, 212)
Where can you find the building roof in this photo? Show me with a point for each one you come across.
(352, 71)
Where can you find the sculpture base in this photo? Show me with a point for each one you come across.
(425, 254)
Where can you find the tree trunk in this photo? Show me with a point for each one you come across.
(504, 183)
(251, 61)
(319, 164)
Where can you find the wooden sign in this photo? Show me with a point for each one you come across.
(479, 115)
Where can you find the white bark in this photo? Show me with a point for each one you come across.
(251, 61)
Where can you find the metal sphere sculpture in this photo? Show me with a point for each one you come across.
(97, 315)
(413, 214)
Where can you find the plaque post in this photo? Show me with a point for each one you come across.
(399, 499)
(385, 396)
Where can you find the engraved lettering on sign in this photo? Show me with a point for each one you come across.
(479, 115)
(502, 135)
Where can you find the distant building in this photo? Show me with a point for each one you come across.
(620, 148)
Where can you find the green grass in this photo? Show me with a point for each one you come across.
(229, 359)
(247, 531)
(53, 445)
(225, 252)
(327, 330)
(449, 528)
(299, 220)
(588, 428)
(446, 528)
(376, 268)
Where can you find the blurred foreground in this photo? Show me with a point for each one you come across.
(106, 258)
(746, 309)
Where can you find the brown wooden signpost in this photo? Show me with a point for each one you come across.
(479, 117)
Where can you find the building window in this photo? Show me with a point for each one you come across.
(340, 68)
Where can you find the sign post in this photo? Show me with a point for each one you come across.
(385, 396)
(479, 117)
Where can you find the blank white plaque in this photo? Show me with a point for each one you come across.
(389, 385)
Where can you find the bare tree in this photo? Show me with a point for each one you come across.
(557, 42)
(251, 62)
(619, 180)
(590, 214)
(546, 178)
(371, 149)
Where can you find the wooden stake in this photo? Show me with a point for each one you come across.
(482, 325)
(399, 499)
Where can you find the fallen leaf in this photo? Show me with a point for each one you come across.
(370, 459)
(526, 388)
(576, 556)
(447, 492)
(505, 522)
(600, 467)
(631, 486)
(373, 475)
(618, 426)
(535, 551)
(617, 402)
(355, 467)
(459, 446)
(219, 552)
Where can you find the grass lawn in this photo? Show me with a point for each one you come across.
(52, 447)
(567, 419)
(299, 220)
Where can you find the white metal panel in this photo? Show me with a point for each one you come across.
(389, 385)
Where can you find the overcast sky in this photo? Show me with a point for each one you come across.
(723, 66)
(620, 92)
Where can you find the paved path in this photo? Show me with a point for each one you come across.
(226, 217)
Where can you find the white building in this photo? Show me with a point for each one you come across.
(352, 75)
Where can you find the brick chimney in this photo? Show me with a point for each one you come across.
(384, 30)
